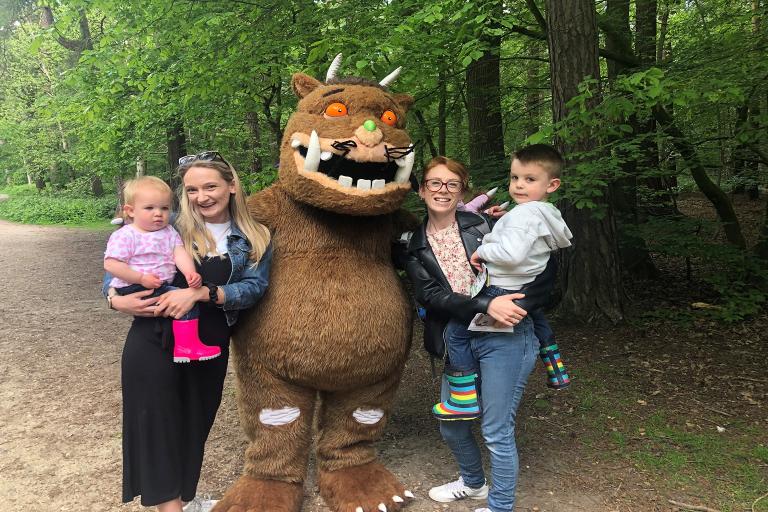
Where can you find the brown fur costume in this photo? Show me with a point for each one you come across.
(332, 333)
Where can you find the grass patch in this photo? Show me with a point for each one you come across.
(730, 466)
(67, 211)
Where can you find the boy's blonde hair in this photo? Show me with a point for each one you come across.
(131, 187)
(191, 225)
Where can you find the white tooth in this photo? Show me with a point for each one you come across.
(364, 184)
(405, 165)
(345, 180)
(397, 499)
(504, 205)
(491, 192)
(382, 507)
(408, 494)
(378, 184)
(295, 143)
(312, 160)
(325, 156)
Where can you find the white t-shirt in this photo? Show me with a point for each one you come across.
(220, 232)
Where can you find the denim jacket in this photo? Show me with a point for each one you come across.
(246, 284)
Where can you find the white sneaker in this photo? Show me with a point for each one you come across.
(453, 491)
(199, 504)
(483, 510)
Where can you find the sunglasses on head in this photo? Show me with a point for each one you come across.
(205, 156)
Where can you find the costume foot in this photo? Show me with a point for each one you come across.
(254, 495)
(367, 488)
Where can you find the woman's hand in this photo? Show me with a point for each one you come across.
(136, 304)
(476, 261)
(177, 303)
(505, 311)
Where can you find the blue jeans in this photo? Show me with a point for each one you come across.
(133, 288)
(457, 337)
(505, 361)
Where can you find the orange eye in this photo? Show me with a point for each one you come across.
(389, 118)
(336, 110)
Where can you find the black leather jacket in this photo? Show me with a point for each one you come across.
(431, 288)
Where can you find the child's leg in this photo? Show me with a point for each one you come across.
(186, 341)
(557, 375)
(461, 374)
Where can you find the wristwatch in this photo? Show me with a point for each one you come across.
(213, 294)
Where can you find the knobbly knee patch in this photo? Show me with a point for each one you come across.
(279, 417)
(368, 416)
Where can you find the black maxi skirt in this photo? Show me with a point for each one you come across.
(169, 408)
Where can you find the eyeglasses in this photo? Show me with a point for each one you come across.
(451, 186)
(205, 156)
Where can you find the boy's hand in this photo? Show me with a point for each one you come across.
(496, 211)
(194, 280)
(150, 281)
(476, 261)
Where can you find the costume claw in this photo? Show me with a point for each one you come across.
(359, 509)
(397, 499)
(408, 494)
(382, 507)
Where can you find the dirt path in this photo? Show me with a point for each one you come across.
(60, 399)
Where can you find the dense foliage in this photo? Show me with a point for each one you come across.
(88, 88)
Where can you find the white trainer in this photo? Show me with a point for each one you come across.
(457, 490)
(199, 504)
(483, 510)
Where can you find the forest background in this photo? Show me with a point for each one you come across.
(661, 107)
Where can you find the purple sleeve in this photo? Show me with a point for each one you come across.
(121, 245)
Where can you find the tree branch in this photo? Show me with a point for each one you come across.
(537, 14)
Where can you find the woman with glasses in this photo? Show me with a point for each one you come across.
(439, 269)
(168, 409)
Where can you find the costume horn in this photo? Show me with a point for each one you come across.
(390, 77)
(333, 68)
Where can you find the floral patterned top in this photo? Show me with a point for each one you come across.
(452, 258)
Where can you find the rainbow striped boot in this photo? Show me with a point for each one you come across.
(463, 403)
(557, 375)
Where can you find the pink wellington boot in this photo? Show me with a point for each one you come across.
(187, 346)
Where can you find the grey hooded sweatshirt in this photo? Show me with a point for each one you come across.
(517, 250)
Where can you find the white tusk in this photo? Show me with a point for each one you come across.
(345, 180)
(390, 77)
(397, 499)
(295, 143)
(382, 507)
(363, 184)
(491, 192)
(359, 509)
(378, 184)
(325, 156)
(312, 160)
(333, 68)
(408, 494)
(405, 165)
(504, 205)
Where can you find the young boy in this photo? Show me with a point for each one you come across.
(514, 252)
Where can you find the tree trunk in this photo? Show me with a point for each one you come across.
(252, 120)
(141, 166)
(761, 248)
(533, 80)
(442, 104)
(97, 189)
(590, 274)
(633, 250)
(715, 194)
(486, 132)
(618, 38)
(177, 148)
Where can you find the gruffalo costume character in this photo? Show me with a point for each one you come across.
(329, 340)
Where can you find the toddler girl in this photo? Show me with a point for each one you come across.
(144, 254)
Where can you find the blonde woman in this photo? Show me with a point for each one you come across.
(168, 409)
